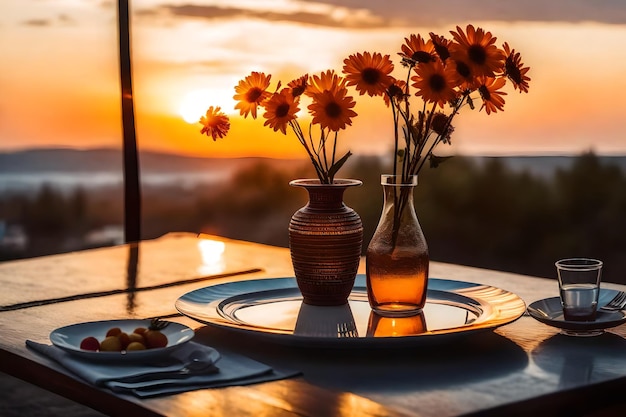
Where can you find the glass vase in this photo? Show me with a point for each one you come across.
(397, 257)
(325, 240)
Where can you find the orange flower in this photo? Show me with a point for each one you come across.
(326, 81)
(441, 46)
(435, 83)
(369, 73)
(215, 123)
(492, 98)
(415, 49)
(440, 124)
(280, 109)
(441, 73)
(298, 86)
(463, 75)
(514, 69)
(477, 49)
(251, 92)
(395, 91)
(332, 110)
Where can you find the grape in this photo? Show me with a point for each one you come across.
(90, 343)
(111, 344)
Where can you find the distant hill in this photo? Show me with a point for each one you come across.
(110, 160)
(52, 160)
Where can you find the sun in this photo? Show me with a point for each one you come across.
(195, 103)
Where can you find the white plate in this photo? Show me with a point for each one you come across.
(273, 308)
(69, 338)
(550, 311)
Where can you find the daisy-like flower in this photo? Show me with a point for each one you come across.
(442, 73)
(492, 98)
(396, 91)
(332, 110)
(441, 46)
(251, 92)
(298, 86)
(417, 50)
(215, 123)
(463, 74)
(440, 124)
(435, 83)
(326, 81)
(477, 49)
(280, 109)
(368, 73)
(514, 69)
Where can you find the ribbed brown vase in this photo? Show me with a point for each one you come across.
(325, 239)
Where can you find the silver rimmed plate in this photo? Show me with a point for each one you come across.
(549, 311)
(273, 308)
(69, 338)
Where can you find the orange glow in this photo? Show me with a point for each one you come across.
(354, 405)
(379, 326)
(61, 87)
(245, 138)
(212, 254)
(195, 103)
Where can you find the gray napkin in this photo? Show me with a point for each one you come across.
(167, 377)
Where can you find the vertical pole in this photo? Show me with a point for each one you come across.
(132, 191)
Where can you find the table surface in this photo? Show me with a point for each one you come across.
(516, 369)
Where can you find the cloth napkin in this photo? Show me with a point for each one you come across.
(169, 376)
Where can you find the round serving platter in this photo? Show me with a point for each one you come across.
(273, 309)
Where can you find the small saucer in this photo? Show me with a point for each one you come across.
(549, 311)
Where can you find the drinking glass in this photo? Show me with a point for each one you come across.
(579, 287)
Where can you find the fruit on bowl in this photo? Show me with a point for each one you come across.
(116, 340)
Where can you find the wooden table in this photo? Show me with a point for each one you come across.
(521, 368)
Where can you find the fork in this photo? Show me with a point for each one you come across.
(617, 303)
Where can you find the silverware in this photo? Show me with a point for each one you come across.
(347, 330)
(617, 303)
(199, 362)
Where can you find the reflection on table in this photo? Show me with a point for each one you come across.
(512, 368)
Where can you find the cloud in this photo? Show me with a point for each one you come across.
(61, 19)
(37, 22)
(377, 13)
(328, 16)
(418, 13)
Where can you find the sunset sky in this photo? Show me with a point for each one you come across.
(59, 80)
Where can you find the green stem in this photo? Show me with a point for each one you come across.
(332, 162)
(400, 203)
(455, 111)
(300, 135)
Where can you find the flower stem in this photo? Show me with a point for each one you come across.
(300, 135)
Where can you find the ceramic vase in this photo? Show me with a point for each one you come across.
(325, 240)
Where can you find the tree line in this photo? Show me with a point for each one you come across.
(483, 215)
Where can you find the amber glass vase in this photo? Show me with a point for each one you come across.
(325, 240)
(397, 256)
